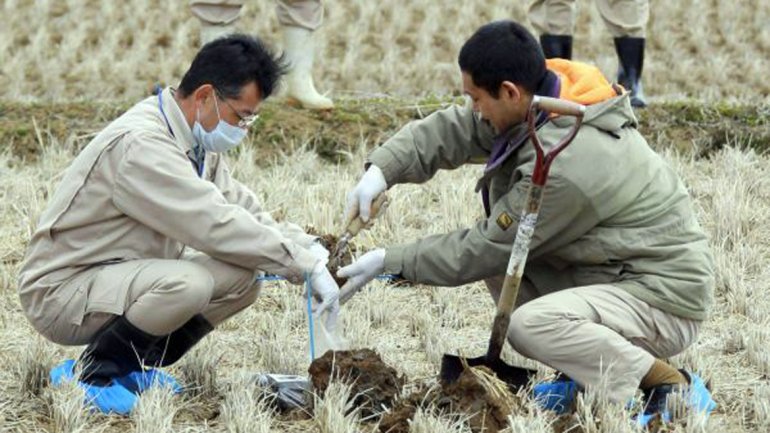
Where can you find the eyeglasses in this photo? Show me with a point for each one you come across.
(243, 121)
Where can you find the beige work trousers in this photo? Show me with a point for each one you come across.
(307, 14)
(622, 17)
(157, 296)
(598, 335)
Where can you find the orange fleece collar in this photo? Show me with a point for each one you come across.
(581, 82)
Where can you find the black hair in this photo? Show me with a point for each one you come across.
(503, 51)
(232, 62)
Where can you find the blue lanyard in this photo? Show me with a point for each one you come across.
(200, 154)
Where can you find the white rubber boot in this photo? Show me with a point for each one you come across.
(209, 31)
(300, 50)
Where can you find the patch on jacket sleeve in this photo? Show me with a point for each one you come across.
(504, 220)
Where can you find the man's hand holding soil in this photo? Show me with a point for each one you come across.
(361, 272)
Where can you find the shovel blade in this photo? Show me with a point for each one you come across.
(452, 367)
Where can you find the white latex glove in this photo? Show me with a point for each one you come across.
(326, 291)
(371, 184)
(360, 272)
(319, 251)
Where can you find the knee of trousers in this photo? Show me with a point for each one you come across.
(247, 293)
(246, 286)
(525, 333)
(192, 288)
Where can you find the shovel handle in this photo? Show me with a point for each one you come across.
(515, 271)
(543, 160)
(528, 220)
(357, 224)
(558, 106)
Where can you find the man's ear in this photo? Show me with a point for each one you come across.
(203, 92)
(510, 90)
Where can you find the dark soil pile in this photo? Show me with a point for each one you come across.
(477, 393)
(375, 384)
(568, 423)
(397, 419)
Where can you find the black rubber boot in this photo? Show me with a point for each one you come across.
(117, 350)
(171, 348)
(631, 56)
(556, 46)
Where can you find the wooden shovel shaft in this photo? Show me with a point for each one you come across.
(357, 224)
(353, 227)
(528, 219)
(515, 271)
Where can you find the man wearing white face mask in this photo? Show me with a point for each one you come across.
(107, 266)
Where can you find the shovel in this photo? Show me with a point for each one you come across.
(451, 365)
(354, 226)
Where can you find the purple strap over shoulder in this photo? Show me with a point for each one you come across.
(506, 144)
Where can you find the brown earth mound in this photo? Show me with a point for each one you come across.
(477, 394)
(396, 420)
(375, 384)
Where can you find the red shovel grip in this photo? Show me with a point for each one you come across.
(559, 106)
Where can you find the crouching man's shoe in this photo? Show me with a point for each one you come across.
(140, 381)
(109, 398)
(696, 395)
(558, 395)
(113, 358)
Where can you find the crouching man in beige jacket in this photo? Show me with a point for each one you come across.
(107, 265)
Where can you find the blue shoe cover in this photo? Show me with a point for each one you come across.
(558, 396)
(698, 399)
(643, 419)
(140, 381)
(62, 373)
(113, 398)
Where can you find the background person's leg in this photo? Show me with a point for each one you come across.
(299, 20)
(627, 22)
(625, 18)
(217, 17)
(307, 14)
(554, 21)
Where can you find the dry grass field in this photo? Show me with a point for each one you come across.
(107, 54)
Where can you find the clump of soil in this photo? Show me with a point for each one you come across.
(329, 241)
(396, 420)
(375, 384)
(567, 423)
(478, 393)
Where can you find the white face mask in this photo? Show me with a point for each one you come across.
(222, 138)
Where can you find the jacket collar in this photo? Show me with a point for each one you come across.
(177, 123)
